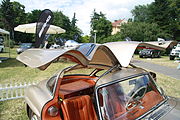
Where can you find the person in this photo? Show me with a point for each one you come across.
(45, 44)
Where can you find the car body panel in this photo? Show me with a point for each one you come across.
(36, 96)
(173, 114)
(41, 58)
(108, 53)
(123, 73)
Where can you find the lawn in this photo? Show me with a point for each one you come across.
(12, 71)
(163, 60)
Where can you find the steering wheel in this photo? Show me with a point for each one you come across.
(134, 99)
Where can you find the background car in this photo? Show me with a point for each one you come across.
(1, 47)
(175, 52)
(149, 53)
(23, 47)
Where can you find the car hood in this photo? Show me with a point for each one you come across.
(107, 54)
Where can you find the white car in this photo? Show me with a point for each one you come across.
(54, 46)
(1, 47)
(175, 52)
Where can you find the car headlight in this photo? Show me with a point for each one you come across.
(53, 111)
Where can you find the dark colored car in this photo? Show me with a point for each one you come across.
(149, 53)
(23, 47)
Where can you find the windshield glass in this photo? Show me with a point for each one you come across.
(26, 45)
(128, 99)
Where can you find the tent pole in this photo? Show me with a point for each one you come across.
(9, 46)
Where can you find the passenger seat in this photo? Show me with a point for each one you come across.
(78, 108)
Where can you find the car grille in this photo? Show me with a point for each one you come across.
(160, 113)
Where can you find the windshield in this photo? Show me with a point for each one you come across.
(128, 99)
(26, 45)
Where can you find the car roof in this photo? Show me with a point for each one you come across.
(108, 54)
(120, 74)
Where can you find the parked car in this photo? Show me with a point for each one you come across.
(149, 53)
(1, 47)
(102, 85)
(175, 52)
(23, 47)
(54, 46)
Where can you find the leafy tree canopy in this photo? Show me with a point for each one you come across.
(165, 13)
(141, 31)
(102, 26)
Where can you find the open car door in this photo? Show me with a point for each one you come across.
(108, 54)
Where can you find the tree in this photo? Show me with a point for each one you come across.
(64, 22)
(85, 39)
(12, 14)
(33, 16)
(141, 31)
(113, 38)
(75, 31)
(142, 13)
(164, 13)
(101, 25)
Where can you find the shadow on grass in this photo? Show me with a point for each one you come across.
(11, 62)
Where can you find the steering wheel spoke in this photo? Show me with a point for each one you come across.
(134, 100)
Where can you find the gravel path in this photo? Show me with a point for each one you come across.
(172, 72)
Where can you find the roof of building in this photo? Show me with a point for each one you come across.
(117, 22)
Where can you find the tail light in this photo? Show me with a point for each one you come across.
(53, 111)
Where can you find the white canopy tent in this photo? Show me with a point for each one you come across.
(6, 33)
(2, 31)
(31, 28)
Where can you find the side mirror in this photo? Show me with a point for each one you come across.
(153, 75)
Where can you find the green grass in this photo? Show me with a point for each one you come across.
(163, 60)
(12, 71)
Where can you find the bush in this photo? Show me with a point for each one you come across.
(9, 42)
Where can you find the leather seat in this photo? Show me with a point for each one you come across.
(78, 108)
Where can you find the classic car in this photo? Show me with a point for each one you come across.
(149, 53)
(23, 47)
(103, 85)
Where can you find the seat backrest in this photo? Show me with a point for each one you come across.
(78, 108)
(115, 105)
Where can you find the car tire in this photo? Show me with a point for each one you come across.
(32, 115)
(1, 50)
(171, 57)
(141, 56)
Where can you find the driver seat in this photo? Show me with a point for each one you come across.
(78, 108)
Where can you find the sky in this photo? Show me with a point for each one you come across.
(113, 9)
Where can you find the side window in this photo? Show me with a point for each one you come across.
(51, 83)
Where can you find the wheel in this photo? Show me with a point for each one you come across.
(171, 57)
(32, 115)
(1, 50)
(140, 56)
(134, 100)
